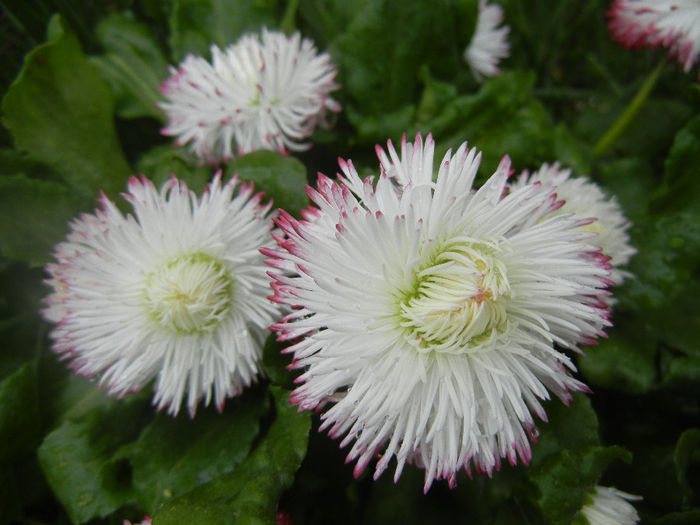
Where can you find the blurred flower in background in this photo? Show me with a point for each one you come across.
(175, 292)
(586, 199)
(426, 313)
(489, 43)
(609, 506)
(674, 24)
(266, 91)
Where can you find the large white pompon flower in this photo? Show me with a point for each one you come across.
(263, 92)
(425, 313)
(586, 199)
(490, 42)
(674, 24)
(609, 506)
(176, 292)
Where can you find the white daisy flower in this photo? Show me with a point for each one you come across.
(426, 313)
(674, 24)
(263, 92)
(489, 44)
(176, 292)
(585, 198)
(609, 506)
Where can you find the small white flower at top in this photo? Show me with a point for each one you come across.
(175, 292)
(674, 24)
(266, 91)
(586, 199)
(489, 44)
(426, 313)
(609, 506)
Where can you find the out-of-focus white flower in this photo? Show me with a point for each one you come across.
(146, 521)
(585, 199)
(263, 92)
(425, 313)
(609, 506)
(175, 292)
(674, 24)
(489, 44)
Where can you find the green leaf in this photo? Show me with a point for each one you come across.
(249, 494)
(282, 178)
(197, 24)
(625, 362)
(60, 111)
(19, 413)
(275, 363)
(573, 427)
(133, 65)
(385, 43)
(566, 478)
(82, 462)
(162, 162)
(681, 184)
(174, 455)
(687, 452)
(34, 216)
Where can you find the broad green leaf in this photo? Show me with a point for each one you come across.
(162, 162)
(197, 24)
(249, 494)
(34, 216)
(626, 361)
(60, 111)
(501, 118)
(19, 412)
(82, 462)
(565, 478)
(282, 178)
(133, 65)
(174, 455)
(681, 184)
(573, 427)
(385, 43)
(686, 453)
(275, 363)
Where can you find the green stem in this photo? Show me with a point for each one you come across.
(288, 25)
(628, 114)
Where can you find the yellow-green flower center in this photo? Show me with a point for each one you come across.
(189, 294)
(459, 298)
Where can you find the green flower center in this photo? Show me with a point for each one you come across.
(459, 298)
(189, 294)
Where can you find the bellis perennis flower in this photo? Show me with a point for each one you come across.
(489, 44)
(426, 313)
(674, 24)
(609, 506)
(263, 92)
(585, 198)
(175, 292)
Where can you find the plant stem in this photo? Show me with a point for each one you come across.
(288, 24)
(614, 132)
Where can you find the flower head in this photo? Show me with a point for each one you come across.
(489, 43)
(674, 24)
(263, 92)
(609, 506)
(585, 199)
(426, 313)
(175, 292)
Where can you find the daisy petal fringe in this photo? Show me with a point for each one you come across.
(609, 506)
(427, 316)
(674, 24)
(489, 45)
